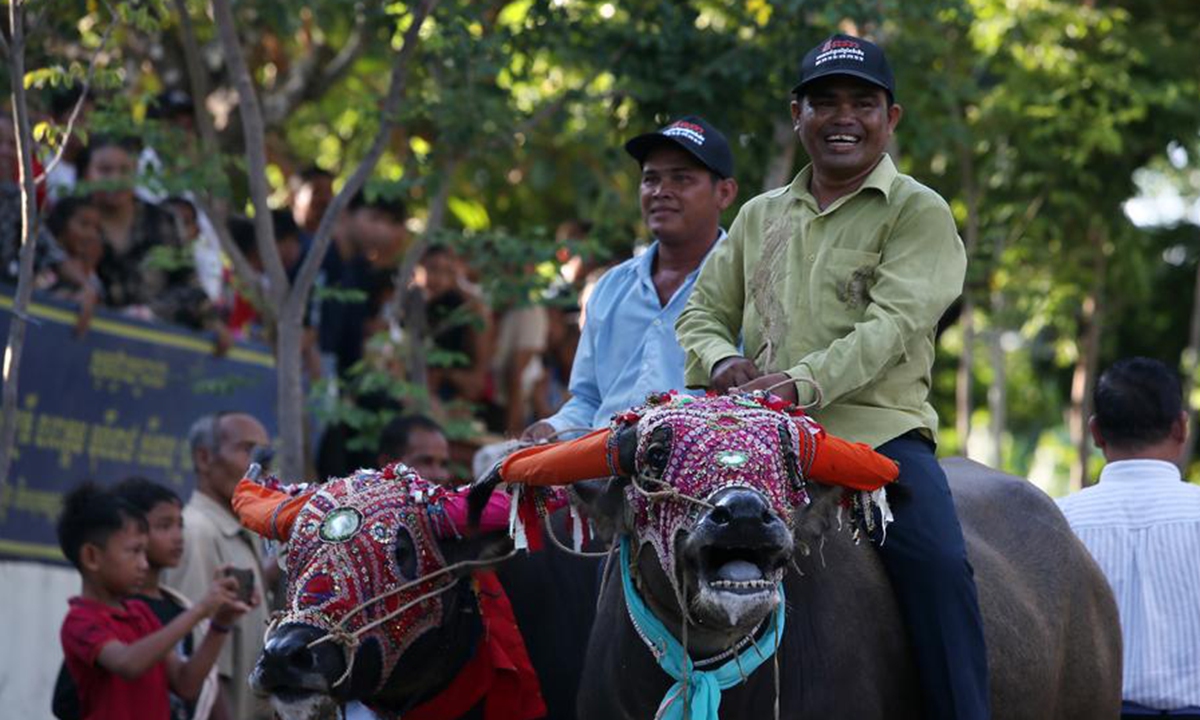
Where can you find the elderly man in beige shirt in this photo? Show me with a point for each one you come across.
(222, 446)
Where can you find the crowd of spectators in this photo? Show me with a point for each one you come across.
(110, 238)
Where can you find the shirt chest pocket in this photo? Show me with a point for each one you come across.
(846, 285)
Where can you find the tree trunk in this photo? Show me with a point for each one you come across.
(417, 330)
(289, 301)
(997, 395)
(1086, 363)
(964, 380)
(963, 405)
(289, 382)
(1189, 365)
(779, 168)
(29, 226)
(408, 304)
(998, 390)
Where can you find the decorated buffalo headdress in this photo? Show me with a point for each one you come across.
(344, 576)
(677, 453)
(689, 449)
(679, 450)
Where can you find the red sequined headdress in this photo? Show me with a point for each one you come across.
(341, 538)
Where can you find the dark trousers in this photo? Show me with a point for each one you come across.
(926, 559)
(1130, 710)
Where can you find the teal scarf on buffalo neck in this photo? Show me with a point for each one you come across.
(703, 687)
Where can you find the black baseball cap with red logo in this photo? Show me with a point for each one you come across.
(846, 55)
(695, 135)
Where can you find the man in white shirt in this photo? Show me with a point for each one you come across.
(1142, 525)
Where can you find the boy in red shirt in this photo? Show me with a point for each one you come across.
(117, 652)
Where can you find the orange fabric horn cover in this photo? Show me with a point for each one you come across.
(270, 513)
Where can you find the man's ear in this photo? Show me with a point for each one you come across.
(201, 460)
(727, 190)
(894, 113)
(1179, 428)
(1094, 429)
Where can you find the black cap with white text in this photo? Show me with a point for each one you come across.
(695, 135)
(846, 55)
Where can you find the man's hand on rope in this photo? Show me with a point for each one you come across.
(732, 372)
(780, 384)
(538, 432)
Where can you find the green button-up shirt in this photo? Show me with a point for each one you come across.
(845, 300)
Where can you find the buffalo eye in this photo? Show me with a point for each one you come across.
(406, 553)
(658, 452)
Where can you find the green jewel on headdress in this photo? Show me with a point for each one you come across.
(340, 525)
(732, 458)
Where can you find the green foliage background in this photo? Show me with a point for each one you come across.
(1046, 110)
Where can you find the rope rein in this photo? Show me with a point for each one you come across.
(669, 492)
(570, 551)
(818, 394)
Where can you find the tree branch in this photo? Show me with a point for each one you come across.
(29, 226)
(349, 52)
(83, 93)
(278, 104)
(196, 79)
(302, 80)
(391, 105)
(253, 133)
(407, 302)
(208, 204)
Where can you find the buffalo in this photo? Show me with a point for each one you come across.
(390, 603)
(733, 550)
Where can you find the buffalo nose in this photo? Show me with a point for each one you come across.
(743, 510)
(287, 654)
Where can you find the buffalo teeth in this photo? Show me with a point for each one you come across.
(740, 584)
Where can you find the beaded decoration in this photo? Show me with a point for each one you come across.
(691, 448)
(342, 551)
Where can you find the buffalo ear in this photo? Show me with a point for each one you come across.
(480, 492)
(627, 441)
(603, 502)
(487, 548)
(820, 515)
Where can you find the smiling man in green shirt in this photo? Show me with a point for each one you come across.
(834, 285)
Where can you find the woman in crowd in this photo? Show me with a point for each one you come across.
(146, 268)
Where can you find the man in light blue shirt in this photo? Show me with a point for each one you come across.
(628, 348)
(1142, 526)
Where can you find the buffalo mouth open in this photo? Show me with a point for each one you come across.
(742, 571)
(735, 585)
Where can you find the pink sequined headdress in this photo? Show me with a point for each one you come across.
(697, 447)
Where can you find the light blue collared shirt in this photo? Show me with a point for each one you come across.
(627, 349)
(1142, 526)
